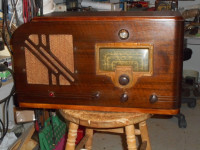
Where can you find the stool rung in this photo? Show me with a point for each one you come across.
(117, 130)
(82, 142)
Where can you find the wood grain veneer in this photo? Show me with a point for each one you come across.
(71, 79)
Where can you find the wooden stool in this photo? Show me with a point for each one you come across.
(108, 122)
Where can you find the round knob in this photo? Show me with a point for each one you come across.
(124, 97)
(97, 94)
(124, 79)
(123, 34)
(153, 98)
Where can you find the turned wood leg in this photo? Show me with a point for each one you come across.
(88, 144)
(72, 134)
(130, 137)
(144, 134)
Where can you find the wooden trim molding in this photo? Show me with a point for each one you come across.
(100, 108)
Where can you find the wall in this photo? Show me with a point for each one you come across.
(187, 3)
(182, 3)
(193, 63)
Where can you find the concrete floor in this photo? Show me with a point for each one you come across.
(164, 134)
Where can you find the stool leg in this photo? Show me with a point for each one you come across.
(144, 134)
(88, 144)
(130, 137)
(71, 136)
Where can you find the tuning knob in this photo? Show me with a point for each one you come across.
(153, 98)
(124, 97)
(124, 79)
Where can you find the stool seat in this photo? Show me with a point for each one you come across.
(118, 122)
(96, 119)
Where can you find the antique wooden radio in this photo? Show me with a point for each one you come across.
(104, 61)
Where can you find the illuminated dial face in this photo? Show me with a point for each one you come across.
(109, 58)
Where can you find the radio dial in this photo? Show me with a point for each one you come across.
(124, 97)
(124, 79)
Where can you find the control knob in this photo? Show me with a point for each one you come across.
(124, 79)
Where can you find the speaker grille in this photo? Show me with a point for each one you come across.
(49, 59)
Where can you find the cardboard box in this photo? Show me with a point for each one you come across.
(22, 116)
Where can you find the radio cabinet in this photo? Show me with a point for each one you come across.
(104, 61)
